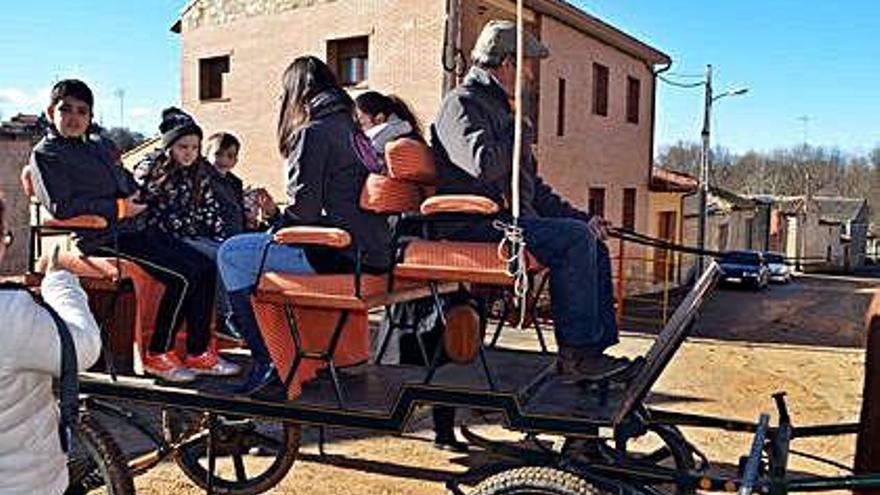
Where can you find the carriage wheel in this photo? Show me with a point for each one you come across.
(674, 452)
(95, 464)
(271, 448)
(662, 445)
(535, 481)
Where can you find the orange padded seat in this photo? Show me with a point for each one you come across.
(81, 222)
(324, 236)
(384, 195)
(410, 160)
(329, 291)
(315, 327)
(459, 203)
(456, 261)
(317, 301)
(335, 291)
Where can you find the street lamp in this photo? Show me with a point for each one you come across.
(704, 160)
(120, 93)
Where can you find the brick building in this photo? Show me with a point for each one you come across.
(17, 137)
(594, 104)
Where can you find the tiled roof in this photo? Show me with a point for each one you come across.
(840, 210)
(665, 180)
(731, 199)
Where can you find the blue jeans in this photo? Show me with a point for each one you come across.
(238, 260)
(581, 290)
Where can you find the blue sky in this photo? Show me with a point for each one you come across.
(814, 59)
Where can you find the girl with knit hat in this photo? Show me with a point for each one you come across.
(175, 183)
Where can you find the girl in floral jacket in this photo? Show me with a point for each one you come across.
(176, 183)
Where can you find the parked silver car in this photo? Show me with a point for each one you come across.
(779, 270)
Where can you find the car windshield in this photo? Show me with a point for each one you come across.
(774, 258)
(742, 258)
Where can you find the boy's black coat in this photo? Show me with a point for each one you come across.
(81, 177)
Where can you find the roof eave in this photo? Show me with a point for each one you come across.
(584, 22)
(177, 27)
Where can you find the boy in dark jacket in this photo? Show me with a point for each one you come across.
(242, 210)
(473, 141)
(76, 173)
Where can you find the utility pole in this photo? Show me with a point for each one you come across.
(704, 170)
(705, 161)
(805, 119)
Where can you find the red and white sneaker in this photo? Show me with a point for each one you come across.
(210, 363)
(168, 366)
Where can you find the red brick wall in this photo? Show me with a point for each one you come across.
(595, 151)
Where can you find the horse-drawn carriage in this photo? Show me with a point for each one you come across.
(317, 328)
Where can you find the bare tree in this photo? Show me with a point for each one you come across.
(124, 138)
(785, 171)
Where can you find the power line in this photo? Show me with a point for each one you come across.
(692, 75)
(681, 85)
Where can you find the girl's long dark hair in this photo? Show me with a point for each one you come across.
(305, 78)
(373, 103)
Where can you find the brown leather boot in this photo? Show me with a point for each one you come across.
(581, 363)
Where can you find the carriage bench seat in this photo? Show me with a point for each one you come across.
(107, 274)
(466, 262)
(458, 261)
(310, 321)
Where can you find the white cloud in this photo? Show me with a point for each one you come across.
(14, 100)
(142, 112)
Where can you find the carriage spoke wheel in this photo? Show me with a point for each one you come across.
(662, 446)
(252, 455)
(534, 480)
(95, 464)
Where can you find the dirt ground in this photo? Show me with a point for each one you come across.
(804, 339)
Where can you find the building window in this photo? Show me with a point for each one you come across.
(560, 109)
(211, 72)
(349, 59)
(596, 203)
(629, 208)
(600, 90)
(633, 88)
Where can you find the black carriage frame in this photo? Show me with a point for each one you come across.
(763, 470)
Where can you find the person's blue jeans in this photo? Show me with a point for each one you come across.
(238, 261)
(581, 290)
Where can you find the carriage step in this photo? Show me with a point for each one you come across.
(620, 378)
